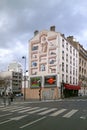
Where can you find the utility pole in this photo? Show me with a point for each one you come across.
(24, 57)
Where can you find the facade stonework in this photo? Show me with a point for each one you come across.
(52, 60)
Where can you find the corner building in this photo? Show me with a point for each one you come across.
(53, 62)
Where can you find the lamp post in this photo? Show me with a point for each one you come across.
(24, 57)
(62, 89)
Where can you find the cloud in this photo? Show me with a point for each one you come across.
(20, 18)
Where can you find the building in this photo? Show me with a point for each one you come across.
(12, 79)
(15, 66)
(53, 66)
(82, 65)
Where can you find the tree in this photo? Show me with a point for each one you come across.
(4, 83)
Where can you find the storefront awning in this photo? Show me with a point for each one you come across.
(71, 87)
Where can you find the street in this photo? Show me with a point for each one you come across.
(62, 114)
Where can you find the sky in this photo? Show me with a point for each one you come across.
(20, 18)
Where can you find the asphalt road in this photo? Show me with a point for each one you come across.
(66, 114)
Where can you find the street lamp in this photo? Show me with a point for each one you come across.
(24, 57)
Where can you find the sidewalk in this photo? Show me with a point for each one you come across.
(20, 100)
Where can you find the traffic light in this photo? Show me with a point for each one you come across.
(39, 92)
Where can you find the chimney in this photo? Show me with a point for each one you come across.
(52, 28)
(36, 32)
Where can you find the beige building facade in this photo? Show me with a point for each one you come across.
(52, 61)
(82, 64)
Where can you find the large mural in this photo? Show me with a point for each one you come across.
(34, 82)
(50, 81)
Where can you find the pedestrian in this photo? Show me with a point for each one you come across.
(9, 98)
(4, 99)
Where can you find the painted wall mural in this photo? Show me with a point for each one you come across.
(34, 82)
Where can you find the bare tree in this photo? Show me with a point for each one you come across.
(4, 83)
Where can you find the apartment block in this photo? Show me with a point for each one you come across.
(53, 65)
(11, 80)
(82, 64)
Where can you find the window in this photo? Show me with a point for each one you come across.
(70, 80)
(34, 64)
(73, 61)
(74, 52)
(76, 72)
(67, 68)
(66, 78)
(63, 43)
(70, 59)
(34, 56)
(85, 64)
(62, 77)
(73, 80)
(73, 71)
(67, 57)
(70, 69)
(42, 67)
(71, 49)
(79, 60)
(80, 69)
(62, 55)
(67, 46)
(52, 61)
(34, 48)
(62, 66)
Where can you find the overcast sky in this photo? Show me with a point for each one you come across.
(20, 18)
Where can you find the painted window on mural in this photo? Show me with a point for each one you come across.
(42, 67)
(50, 81)
(34, 64)
(34, 48)
(34, 82)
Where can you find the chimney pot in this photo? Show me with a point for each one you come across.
(52, 28)
(36, 32)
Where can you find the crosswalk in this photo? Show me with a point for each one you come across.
(45, 111)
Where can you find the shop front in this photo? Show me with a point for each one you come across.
(70, 90)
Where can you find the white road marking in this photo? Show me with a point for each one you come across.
(18, 118)
(33, 122)
(5, 122)
(6, 114)
(14, 118)
(69, 114)
(47, 111)
(19, 109)
(83, 117)
(31, 112)
(28, 110)
(12, 108)
(58, 112)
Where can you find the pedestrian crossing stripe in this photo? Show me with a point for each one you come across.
(47, 111)
(19, 109)
(40, 111)
(12, 108)
(28, 109)
(58, 112)
(69, 114)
